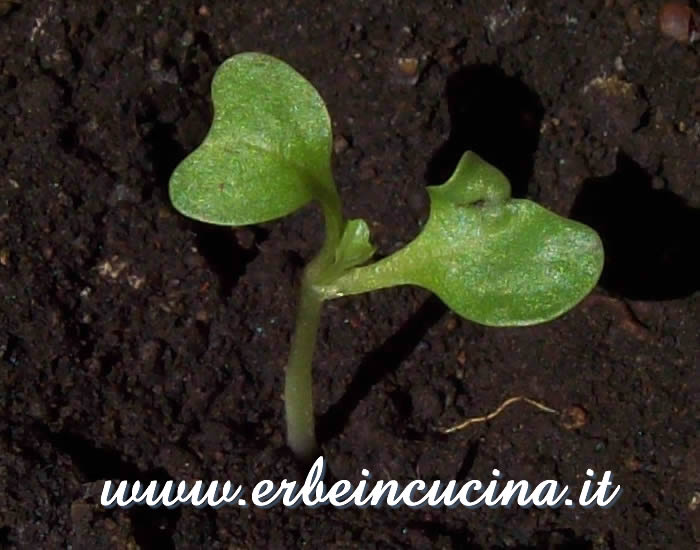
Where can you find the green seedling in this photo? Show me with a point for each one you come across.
(492, 259)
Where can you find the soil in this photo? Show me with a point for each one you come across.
(137, 344)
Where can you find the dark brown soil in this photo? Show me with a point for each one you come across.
(138, 344)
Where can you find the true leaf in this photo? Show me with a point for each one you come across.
(354, 247)
(267, 152)
(492, 259)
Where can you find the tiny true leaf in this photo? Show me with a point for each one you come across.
(354, 247)
(268, 150)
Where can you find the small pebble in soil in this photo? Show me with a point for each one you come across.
(112, 267)
(679, 21)
(340, 145)
(615, 106)
(612, 86)
(407, 70)
(408, 65)
(202, 316)
(619, 65)
(135, 281)
(574, 417)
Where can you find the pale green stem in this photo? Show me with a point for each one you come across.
(298, 395)
(298, 384)
(384, 273)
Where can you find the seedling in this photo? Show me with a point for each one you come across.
(492, 259)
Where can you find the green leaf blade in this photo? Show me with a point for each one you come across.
(521, 266)
(492, 259)
(267, 152)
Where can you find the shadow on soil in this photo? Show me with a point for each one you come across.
(152, 528)
(649, 235)
(379, 363)
(227, 258)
